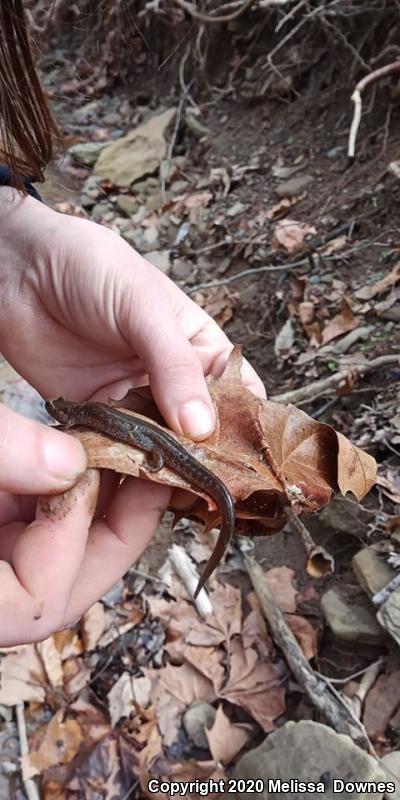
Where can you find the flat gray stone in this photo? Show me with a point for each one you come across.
(389, 615)
(87, 153)
(196, 719)
(310, 752)
(294, 186)
(160, 259)
(350, 619)
(391, 764)
(372, 572)
(127, 204)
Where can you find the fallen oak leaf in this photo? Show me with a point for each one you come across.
(267, 455)
(60, 743)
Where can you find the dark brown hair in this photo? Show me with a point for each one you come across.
(27, 128)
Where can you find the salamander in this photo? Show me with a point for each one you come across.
(161, 449)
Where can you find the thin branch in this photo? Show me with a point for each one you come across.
(317, 388)
(30, 787)
(319, 561)
(226, 18)
(324, 696)
(377, 75)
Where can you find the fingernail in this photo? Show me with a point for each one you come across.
(64, 456)
(196, 418)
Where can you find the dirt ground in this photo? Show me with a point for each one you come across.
(362, 196)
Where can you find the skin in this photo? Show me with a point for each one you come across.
(85, 316)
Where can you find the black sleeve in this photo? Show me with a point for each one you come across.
(5, 180)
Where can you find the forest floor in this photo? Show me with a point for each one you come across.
(264, 189)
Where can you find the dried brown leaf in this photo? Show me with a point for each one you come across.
(59, 745)
(225, 739)
(381, 703)
(305, 634)
(22, 676)
(290, 234)
(93, 624)
(280, 583)
(342, 323)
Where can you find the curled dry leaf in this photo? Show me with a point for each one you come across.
(267, 454)
(342, 323)
(290, 234)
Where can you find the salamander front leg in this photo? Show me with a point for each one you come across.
(154, 460)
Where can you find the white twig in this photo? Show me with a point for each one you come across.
(383, 72)
(30, 787)
(188, 573)
(316, 388)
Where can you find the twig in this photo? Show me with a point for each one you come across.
(30, 787)
(325, 698)
(364, 686)
(226, 18)
(247, 272)
(319, 562)
(188, 573)
(388, 69)
(317, 388)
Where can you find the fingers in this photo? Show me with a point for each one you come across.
(35, 459)
(36, 584)
(116, 542)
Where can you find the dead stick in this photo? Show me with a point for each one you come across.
(323, 385)
(30, 787)
(382, 72)
(319, 561)
(321, 694)
(226, 18)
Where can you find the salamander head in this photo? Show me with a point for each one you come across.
(58, 409)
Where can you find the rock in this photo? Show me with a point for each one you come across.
(309, 752)
(341, 516)
(236, 209)
(182, 269)
(99, 211)
(137, 154)
(87, 153)
(91, 192)
(389, 615)
(294, 186)
(372, 573)
(112, 118)
(148, 186)
(195, 126)
(156, 201)
(127, 204)
(198, 717)
(150, 238)
(160, 259)
(349, 619)
(392, 762)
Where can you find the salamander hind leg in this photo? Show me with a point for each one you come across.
(154, 460)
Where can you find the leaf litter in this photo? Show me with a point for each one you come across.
(112, 726)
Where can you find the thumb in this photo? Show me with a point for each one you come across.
(176, 377)
(35, 459)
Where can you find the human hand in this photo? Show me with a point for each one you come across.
(85, 316)
(56, 558)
